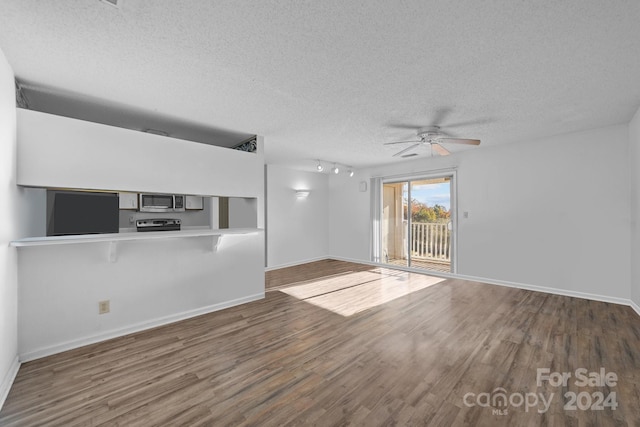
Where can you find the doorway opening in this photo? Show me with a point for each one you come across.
(417, 224)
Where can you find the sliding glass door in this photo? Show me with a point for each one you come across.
(416, 223)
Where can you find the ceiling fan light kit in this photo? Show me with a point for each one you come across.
(434, 137)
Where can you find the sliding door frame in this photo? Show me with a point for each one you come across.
(377, 200)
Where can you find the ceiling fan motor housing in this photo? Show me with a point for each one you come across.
(429, 133)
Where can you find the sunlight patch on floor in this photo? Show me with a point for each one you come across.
(351, 293)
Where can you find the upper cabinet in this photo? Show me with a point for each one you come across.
(128, 200)
(194, 202)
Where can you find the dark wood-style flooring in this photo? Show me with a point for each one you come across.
(335, 343)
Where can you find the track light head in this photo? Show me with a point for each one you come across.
(320, 168)
(350, 173)
(335, 169)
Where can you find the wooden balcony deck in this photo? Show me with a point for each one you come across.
(443, 266)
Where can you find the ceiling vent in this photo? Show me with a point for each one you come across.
(114, 3)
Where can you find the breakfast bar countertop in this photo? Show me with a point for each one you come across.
(128, 235)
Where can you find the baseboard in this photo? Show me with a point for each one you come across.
(8, 379)
(293, 264)
(634, 306)
(548, 290)
(114, 333)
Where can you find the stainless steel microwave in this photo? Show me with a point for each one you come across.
(162, 202)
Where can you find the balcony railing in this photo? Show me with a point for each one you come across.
(431, 241)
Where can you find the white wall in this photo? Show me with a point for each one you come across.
(550, 213)
(350, 220)
(10, 225)
(152, 282)
(243, 212)
(56, 151)
(634, 164)
(297, 229)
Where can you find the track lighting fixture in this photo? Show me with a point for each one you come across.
(336, 168)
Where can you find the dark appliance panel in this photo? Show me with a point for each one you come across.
(81, 212)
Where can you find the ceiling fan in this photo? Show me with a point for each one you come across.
(434, 137)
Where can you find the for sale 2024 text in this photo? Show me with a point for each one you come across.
(581, 377)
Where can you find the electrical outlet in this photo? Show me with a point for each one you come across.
(103, 307)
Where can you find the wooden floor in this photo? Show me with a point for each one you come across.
(409, 355)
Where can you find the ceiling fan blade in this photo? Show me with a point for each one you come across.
(459, 141)
(476, 122)
(406, 149)
(403, 126)
(440, 149)
(400, 142)
(440, 115)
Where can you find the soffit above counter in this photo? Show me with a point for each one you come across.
(82, 107)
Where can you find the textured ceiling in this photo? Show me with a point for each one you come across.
(328, 79)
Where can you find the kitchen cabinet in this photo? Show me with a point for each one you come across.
(128, 200)
(194, 203)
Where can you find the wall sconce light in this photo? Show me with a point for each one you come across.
(302, 194)
(320, 168)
